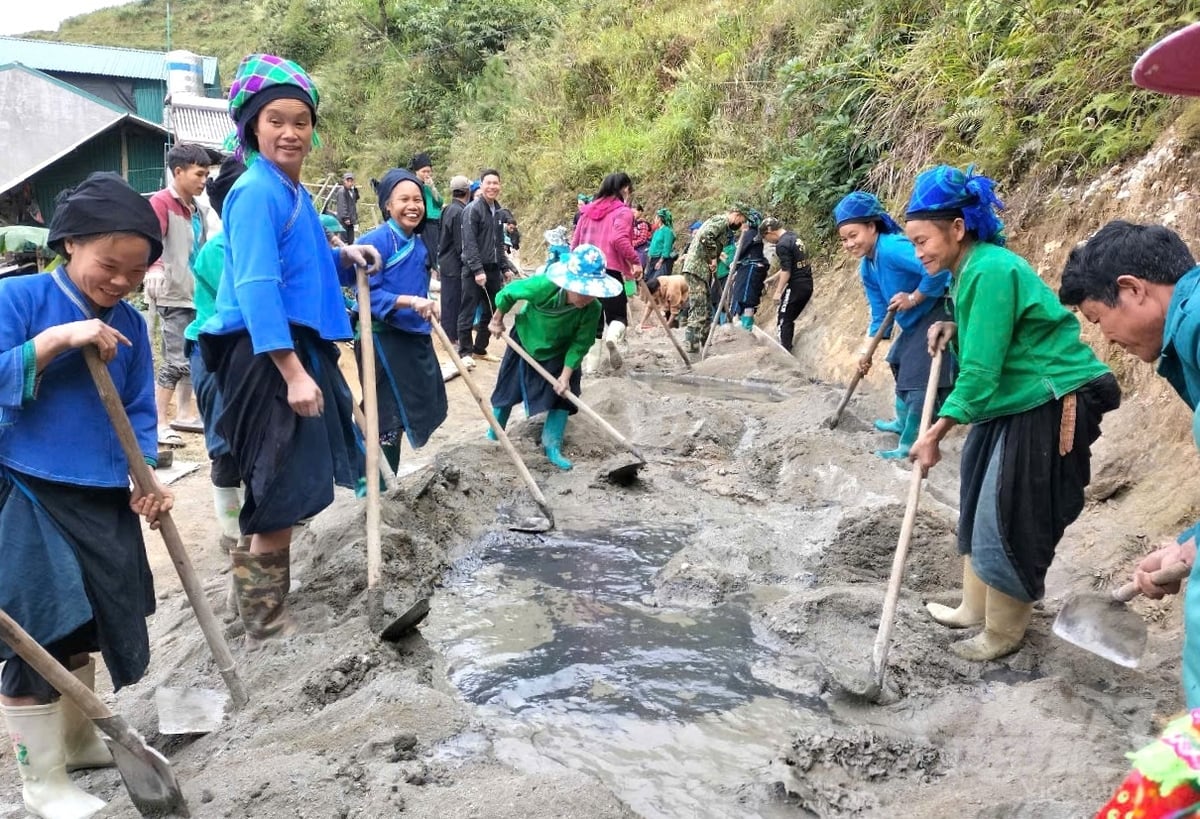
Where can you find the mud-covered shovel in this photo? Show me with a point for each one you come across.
(623, 473)
(530, 523)
(148, 777)
(1104, 625)
(832, 421)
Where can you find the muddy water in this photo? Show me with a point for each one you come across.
(719, 389)
(558, 642)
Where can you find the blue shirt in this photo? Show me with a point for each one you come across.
(54, 426)
(279, 268)
(894, 268)
(405, 273)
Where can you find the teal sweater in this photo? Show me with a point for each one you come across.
(661, 243)
(1018, 347)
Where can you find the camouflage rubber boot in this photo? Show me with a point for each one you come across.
(261, 582)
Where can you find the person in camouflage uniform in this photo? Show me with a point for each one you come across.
(697, 269)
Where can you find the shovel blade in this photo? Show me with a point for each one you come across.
(1103, 626)
(146, 773)
(623, 474)
(190, 710)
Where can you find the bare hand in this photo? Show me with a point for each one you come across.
(926, 452)
(940, 334)
(152, 505)
(361, 256)
(94, 331)
(481, 278)
(864, 365)
(427, 309)
(636, 271)
(496, 325)
(1164, 557)
(562, 384)
(154, 284)
(901, 302)
(304, 396)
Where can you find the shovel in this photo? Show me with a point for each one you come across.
(195, 721)
(146, 773)
(530, 523)
(624, 474)
(887, 620)
(832, 421)
(644, 291)
(1104, 625)
(725, 302)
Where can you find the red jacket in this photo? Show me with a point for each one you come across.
(608, 224)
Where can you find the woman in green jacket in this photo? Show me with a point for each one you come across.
(1033, 394)
(662, 246)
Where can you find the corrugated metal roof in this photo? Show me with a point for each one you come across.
(200, 120)
(105, 61)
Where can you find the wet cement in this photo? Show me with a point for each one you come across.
(561, 643)
(717, 389)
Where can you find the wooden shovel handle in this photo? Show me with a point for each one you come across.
(144, 481)
(644, 291)
(51, 669)
(858, 376)
(572, 397)
(1162, 577)
(371, 433)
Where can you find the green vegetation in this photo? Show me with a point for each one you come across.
(787, 104)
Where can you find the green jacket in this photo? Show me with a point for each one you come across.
(433, 202)
(661, 243)
(209, 264)
(549, 327)
(1017, 346)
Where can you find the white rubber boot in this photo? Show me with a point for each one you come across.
(82, 743)
(1003, 629)
(591, 361)
(614, 333)
(971, 610)
(227, 503)
(37, 740)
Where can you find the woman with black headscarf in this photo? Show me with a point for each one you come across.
(75, 574)
(411, 392)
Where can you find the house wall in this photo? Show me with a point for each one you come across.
(145, 158)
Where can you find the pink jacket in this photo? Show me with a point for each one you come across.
(608, 224)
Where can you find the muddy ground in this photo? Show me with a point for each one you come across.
(342, 725)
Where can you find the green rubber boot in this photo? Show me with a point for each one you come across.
(748, 323)
(501, 414)
(895, 426)
(552, 437)
(908, 436)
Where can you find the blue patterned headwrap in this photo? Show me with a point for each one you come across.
(945, 191)
(864, 207)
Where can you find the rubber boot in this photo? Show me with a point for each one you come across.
(37, 740)
(591, 361)
(1004, 625)
(552, 437)
(613, 333)
(908, 436)
(970, 611)
(231, 598)
(501, 414)
(262, 582)
(748, 323)
(82, 744)
(693, 340)
(227, 502)
(895, 426)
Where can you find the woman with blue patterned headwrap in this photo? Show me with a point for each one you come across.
(410, 390)
(893, 279)
(751, 274)
(1033, 393)
(557, 327)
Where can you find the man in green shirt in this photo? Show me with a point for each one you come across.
(557, 327)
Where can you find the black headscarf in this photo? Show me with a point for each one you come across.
(383, 190)
(103, 203)
(420, 161)
(218, 188)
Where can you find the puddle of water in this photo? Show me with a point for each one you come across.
(719, 389)
(555, 640)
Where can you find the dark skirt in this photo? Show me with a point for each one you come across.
(518, 383)
(748, 284)
(910, 359)
(208, 401)
(289, 463)
(75, 571)
(1018, 494)
(408, 379)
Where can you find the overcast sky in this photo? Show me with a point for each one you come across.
(34, 15)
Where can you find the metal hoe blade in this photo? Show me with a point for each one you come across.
(1103, 626)
(146, 773)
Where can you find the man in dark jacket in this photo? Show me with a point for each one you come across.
(482, 259)
(795, 285)
(347, 207)
(450, 255)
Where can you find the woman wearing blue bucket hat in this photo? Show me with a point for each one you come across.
(557, 327)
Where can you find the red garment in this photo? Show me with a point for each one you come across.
(608, 224)
(1139, 798)
(641, 233)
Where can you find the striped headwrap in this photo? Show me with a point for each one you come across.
(945, 192)
(260, 79)
(863, 207)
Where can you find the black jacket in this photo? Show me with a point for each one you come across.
(450, 242)
(793, 260)
(482, 237)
